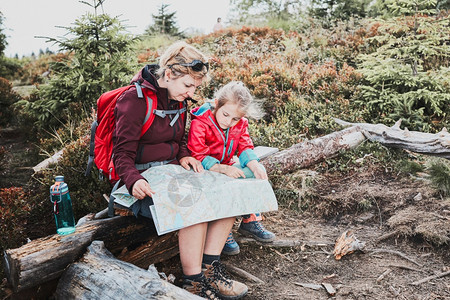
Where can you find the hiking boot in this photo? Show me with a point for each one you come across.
(257, 231)
(220, 280)
(231, 247)
(200, 288)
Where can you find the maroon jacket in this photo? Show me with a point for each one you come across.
(161, 141)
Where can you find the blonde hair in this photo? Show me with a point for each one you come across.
(237, 93)
(181, 53)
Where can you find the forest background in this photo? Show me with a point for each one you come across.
(359, 60)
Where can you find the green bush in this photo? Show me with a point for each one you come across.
(86, 192)
(7, 99)
(407, 75)
(439, 170)
(14, 209)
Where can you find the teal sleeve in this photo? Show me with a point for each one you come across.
(247, 156)
(209, 161)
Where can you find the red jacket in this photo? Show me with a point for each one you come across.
(210, 144)
(161, 142)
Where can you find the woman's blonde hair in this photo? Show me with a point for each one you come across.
(181, 53)
(237, 93)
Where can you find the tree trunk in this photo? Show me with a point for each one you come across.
(437, 144)
(44, 259)
(99, 275)
(308, 153)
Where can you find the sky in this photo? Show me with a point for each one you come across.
(26, 19)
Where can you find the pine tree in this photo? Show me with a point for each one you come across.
(164, 23)
(97, 59)
(3, 42)
(407, 74)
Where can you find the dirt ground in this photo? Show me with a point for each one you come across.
(371, 203)
(404, 208)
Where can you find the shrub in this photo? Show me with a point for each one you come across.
(14, 209)
(407, 76)
(7, 98)
(439, 170)
(86, 192)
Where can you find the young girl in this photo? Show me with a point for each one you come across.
(217, 131)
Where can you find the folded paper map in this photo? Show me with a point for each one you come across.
(185, 198)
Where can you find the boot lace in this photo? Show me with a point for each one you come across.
(207, 291)
(220, 273)
(260, 227)
(230, 239)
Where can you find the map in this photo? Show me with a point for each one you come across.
(185, 198)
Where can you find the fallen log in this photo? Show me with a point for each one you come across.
(308, 153)
(437, 144)
(44, 259)
(99, 275)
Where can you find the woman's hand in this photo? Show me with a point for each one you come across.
(141, 188)
(189, 160)
(257, 169)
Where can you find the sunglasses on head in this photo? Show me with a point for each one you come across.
(196, 65)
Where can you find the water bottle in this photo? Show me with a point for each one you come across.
(62, 207)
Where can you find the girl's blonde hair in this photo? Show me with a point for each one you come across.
(181, 53)
(237, 93)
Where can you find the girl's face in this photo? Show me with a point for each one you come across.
(228, 115)
(183, 87)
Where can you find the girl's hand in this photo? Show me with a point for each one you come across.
(257, 169)
(141, 188)
(232, 171)
(189, 160)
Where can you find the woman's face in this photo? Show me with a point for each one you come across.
(227, 115)
(183, 87)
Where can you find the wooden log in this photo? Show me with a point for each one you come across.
(308, 153)
(45, 259)
(437, 144)
(99, 275)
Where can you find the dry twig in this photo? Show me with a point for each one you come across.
(430, 278)
(403, 267)
(396, 253)
(385, 273)
(244, 274)
(386, 236)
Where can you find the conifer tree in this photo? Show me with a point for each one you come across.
(407, 74)
(98, 59)
(164, 23)
(3, 42)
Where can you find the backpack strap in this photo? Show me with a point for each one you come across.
(164, 113)
(139, 90)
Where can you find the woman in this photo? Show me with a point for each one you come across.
(182, 68)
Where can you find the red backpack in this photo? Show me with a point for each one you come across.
(100, 148)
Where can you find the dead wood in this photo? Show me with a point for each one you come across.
(426, 279)
(329, 288)
(347, 243)
(44, 259)
(310, 285)
(243, 274)
(285, 243)
(403, 267)
(308, 153)
(99, 275)
(437, 144)
(385, 273)
(386, 236)
(374, 251)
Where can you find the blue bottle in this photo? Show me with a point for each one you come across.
(62, 207)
